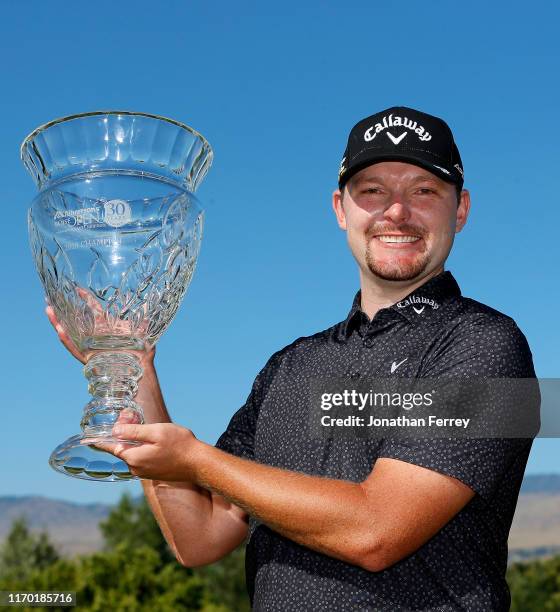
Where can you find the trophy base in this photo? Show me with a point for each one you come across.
(88, 462)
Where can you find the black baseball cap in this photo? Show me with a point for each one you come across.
(402, 134)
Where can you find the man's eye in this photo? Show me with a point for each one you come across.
(426, 191)
(372, 190)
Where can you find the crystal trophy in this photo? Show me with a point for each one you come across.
(115, 232)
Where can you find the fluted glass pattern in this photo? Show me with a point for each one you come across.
(115, 233)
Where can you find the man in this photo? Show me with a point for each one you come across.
(358, 523)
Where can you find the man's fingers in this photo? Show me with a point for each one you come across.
(127, 416)
(90, 300)
(51, 316)
(115, 448)
(137, 433)
(110, 447)
(63, 336)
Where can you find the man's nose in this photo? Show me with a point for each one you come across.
(398, 211)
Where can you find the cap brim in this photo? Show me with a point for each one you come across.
(366, 159)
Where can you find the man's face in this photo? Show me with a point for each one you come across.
(400, 220)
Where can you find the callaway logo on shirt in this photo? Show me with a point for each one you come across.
(413, 299)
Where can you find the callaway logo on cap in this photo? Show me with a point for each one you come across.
(402, 134)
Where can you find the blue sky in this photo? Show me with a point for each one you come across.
(275, 88)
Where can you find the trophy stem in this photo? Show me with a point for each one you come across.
(113, 382)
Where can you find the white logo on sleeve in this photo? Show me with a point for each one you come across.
(418, 310)
(395, 365)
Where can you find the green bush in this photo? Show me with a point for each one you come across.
(535, 586)
(136, 570)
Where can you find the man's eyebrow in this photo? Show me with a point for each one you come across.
(377, 179)
(368, 179)
(426, 177)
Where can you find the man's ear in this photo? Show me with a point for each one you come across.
(463, 210)
(339, 209)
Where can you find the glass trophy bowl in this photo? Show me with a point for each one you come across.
(115, 232)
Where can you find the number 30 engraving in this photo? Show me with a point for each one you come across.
(117, 213)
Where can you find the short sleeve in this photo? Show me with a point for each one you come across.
(482, 348)
(239, 437)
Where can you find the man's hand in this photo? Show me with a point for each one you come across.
(149, 394)
(63, 336)
(166, 451)
(146, 358)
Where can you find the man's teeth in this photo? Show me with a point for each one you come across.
(398, 238)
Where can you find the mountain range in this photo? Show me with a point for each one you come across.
(73, 527)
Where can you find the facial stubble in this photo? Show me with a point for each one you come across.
(400, 268)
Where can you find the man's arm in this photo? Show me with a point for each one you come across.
(372, 524)
(200, 527)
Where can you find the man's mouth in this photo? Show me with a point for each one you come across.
(389, 238)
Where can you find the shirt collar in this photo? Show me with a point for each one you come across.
(416, 307)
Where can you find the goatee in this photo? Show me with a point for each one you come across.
(403, 268)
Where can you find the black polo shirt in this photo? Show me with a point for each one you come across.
(432, 332)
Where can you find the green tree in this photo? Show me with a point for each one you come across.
(535, 586)
(135, 572)
(23, 552)
(122, 580)
(131, 522)
(225, 582)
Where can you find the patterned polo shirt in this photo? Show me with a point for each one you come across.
(441, 334)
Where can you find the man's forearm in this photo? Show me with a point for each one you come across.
(150, 398)
(182, 510)
(330, 516)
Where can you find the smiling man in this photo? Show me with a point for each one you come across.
(358, 523)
